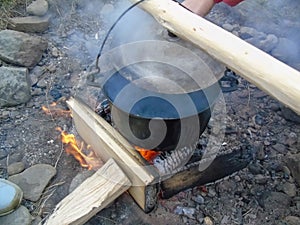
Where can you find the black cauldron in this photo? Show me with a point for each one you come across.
(154, 120)
(161, 92)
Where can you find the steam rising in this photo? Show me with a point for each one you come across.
(276, 17)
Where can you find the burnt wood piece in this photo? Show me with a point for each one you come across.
(222, 166)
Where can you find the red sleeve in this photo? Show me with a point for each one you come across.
(229, 2)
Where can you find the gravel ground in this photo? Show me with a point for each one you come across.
(263, 193)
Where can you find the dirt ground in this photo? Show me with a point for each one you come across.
(256, 121)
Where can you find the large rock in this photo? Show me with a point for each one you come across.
(34, 180)
(29, 24)
(38, 8)
(19, 217)
(21, 49)
(14, 86)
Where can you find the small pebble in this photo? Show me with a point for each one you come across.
(286, 170)
(15, 168)
(208, 221)
(290, 189)
(42, 83)
(37, 220)
(261, 153)
(255, 168)
(259, 120)
(55, 52)
(5, 113)
(199, 199)
(292, 139)
(212, 192)
(261, 179)
(228, 27)
(237, 178)
(38, 8)
(186, 211)
(280, 148)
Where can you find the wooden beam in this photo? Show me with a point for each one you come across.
(267, 73)
(93, 195)
(108, 143)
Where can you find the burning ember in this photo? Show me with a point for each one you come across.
(149, 155)
(88, 160)
(54, 110)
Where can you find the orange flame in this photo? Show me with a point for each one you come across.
(88, 161)
(53, 110)
(149, 155)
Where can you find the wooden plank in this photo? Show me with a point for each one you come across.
(108, 143)
(94, 194)
(267, 73)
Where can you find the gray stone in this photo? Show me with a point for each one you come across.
(15, 168)
(249, 32)
(280, 148)
(260, 179)
(290, 189)
(37, 221)
(286, 50)
(38, 8)
(199, 199)
(33, 180)
(35, 74)
(21, 49)
(15, 86)
(260, 150)
(226, 186)
(19, 217)
(269, 43)
(265, 43)
(42, 83)
(186, 211)
(29, 24)
(292, 220)
(255, 168)
(293, 163)
(36, 92)
(208, 221)
(292, 139)
(228, 27)
(275, 201)
(79, 178)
